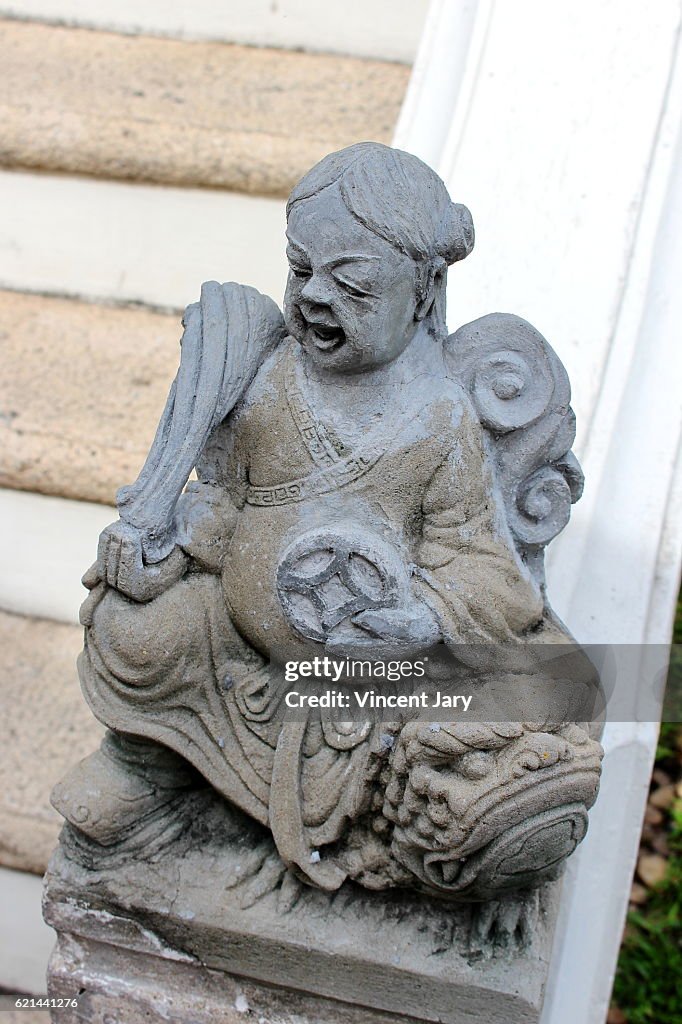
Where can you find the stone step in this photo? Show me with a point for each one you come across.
(47, 727)
(46, 544)
(385, 29)
(83, 389)
(184, 113)
(26, 943)
(122, 241)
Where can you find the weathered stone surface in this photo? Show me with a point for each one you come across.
(371, 487)
(82, 389)
(282, 443)
(44, 729)
(150, 932)
(184, 113)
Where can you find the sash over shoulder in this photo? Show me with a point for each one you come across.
(227, 335)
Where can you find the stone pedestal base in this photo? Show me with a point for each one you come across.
(213, 929)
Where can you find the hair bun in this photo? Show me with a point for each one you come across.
(456, 235)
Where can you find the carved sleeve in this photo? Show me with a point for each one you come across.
(207, 512)
(469, 571)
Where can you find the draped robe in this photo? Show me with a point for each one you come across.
(190, 669)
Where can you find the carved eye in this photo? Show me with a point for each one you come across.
(298, 271)
(351, 289)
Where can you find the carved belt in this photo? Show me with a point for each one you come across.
(337, 466)
(335, 476)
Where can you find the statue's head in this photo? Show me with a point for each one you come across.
(371, 232)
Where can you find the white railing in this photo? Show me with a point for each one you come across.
(559, 125)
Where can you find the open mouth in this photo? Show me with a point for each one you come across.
(326, 337)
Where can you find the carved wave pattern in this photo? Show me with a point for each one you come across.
(521, 394)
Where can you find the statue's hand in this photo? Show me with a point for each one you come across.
(205, 519)
(120, 564)
(404, 631)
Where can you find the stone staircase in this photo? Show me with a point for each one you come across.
(172, 112)
(133, 165)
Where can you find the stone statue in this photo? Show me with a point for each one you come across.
(365, 484)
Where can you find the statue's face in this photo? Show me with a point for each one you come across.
(350, 298)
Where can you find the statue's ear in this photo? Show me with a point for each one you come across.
(429, 277)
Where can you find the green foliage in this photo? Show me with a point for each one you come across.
(648, 986)
(666, 741)
(672, 705)
(677, 628)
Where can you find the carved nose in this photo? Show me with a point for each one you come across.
(315, 292)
